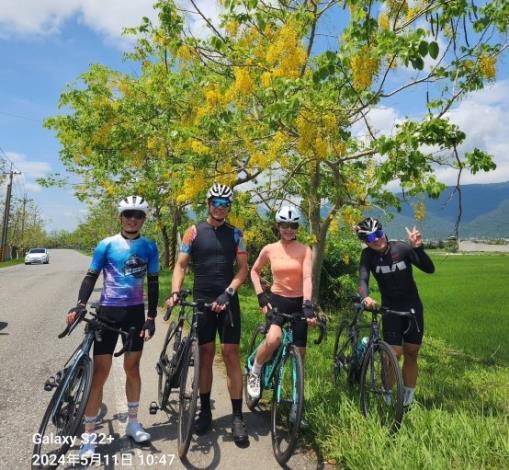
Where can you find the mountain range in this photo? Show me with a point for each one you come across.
(485, 213)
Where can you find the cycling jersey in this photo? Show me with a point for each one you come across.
(290, 264)
(393, 272)
(213, 252)
(124, 264)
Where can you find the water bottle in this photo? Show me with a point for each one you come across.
(361, 346)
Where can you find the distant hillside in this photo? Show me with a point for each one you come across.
(485, 213)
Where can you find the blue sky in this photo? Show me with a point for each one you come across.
(45, 45)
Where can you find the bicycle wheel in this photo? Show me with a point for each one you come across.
(171, 344)
(345, 364)
(381, 389)
(64, 414)
(287, 403)
(256, 339)
(188, 396)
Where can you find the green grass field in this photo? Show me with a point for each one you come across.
(461, 418)
(5, 264)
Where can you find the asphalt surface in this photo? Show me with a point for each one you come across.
(34, 302)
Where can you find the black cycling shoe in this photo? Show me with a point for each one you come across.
(239, 432)
(203, 423)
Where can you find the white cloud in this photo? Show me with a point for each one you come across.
(107, 17)
(31, 169)
(38, 17)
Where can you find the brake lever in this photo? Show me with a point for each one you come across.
(128, 342)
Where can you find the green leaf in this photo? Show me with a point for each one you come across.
(423, 48)
(433, 49)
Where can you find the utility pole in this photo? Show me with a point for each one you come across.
(7, 210)
(23, 225)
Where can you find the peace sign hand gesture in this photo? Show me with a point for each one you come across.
(414, 237)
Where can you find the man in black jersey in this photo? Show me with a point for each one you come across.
(391, 262)
(213, 247)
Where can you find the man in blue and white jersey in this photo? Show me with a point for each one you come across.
(124, 260)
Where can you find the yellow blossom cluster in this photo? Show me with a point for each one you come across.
(350, 215)
(384, 22)
(396, 8)
(109, 188)
(419, 211)
(413, 13)
(232, 27)
(185, 52)
(199, 147)
(192, 186)
(243, 81)
(285, 53)
(364, 68)
(488, 66)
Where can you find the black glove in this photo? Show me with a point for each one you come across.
(223, 299)
(307, 309)
(149, 325)
(79, 310)
(263, 299)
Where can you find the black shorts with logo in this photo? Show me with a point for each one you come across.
(394, 326)
(121, 318)
(210, 323)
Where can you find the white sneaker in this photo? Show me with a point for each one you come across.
(135, 431)
(87, 450)
(253, 386)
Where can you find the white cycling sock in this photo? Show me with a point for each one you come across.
(132, 409)
(408, 395)
(257, 368)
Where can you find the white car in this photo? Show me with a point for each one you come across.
(37, 255)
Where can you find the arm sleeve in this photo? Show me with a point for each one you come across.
(87, 287)
(420, 259)
(153, 294)
(364, 275)
(239, 241)
(187, 240)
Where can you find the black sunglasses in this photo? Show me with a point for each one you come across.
(292, 225)
(133, 214)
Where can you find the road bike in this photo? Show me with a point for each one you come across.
(64, 414)
(371, 362)
(284, 375)
(178, 367)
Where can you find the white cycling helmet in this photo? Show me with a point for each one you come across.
(220, 190)
(287, 214)
(133, 203)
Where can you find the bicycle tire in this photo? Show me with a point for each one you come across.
(171, 342)
(258, 333)
(381, 388)
(188, 396)
(345, 365)
(288, 394)
(73, 391)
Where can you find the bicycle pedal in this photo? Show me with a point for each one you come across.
(153, 408)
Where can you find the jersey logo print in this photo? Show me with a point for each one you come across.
(401, 266)
(135, 266)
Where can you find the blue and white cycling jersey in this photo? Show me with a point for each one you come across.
(124, 264)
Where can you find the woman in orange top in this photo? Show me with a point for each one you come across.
(291, 264)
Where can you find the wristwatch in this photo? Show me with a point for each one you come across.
(230, 291)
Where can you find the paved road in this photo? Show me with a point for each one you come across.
(34, 300)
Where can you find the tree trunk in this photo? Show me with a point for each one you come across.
(173, 242)
(166, 248)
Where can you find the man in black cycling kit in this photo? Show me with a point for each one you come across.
(213, 247)
(390, 262)
(124, 259)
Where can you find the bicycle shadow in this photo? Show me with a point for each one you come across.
(3, 325)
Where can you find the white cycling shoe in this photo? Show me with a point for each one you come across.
(87, 450)
(253, 386)
(136, 432)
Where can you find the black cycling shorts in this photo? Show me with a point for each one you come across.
(290, 305)
(121, 318)
(210, 323)
(394, 326)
